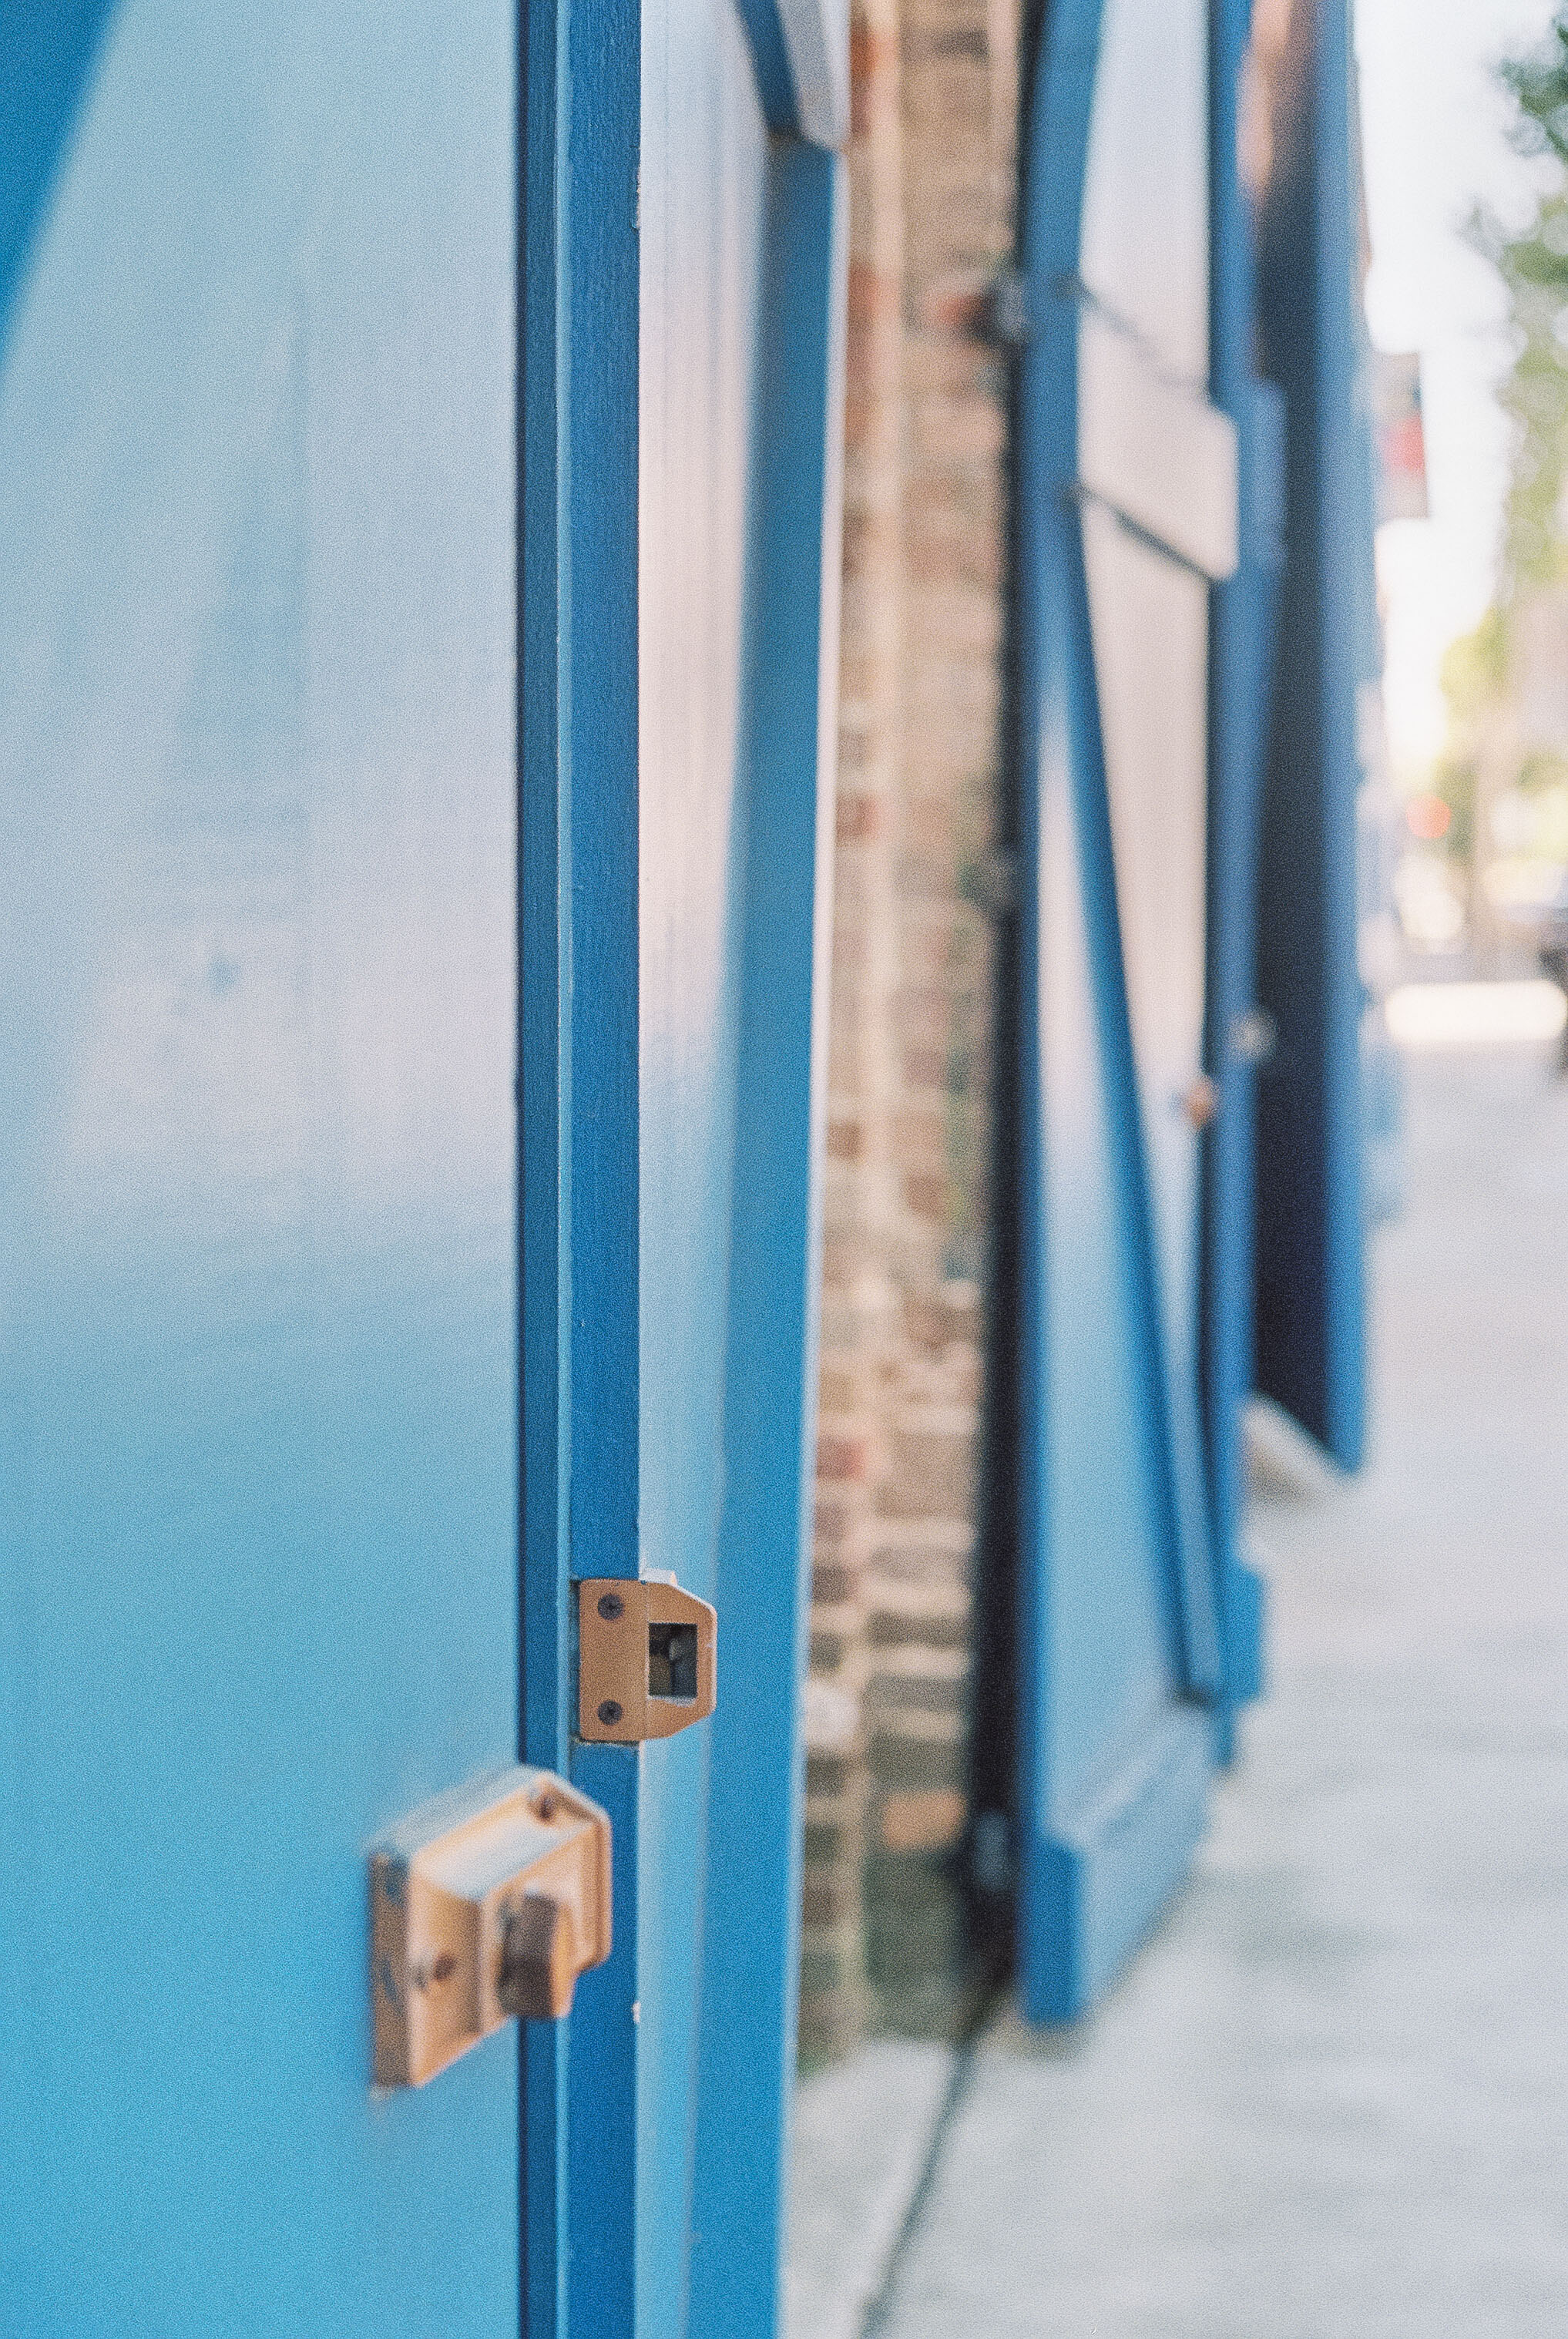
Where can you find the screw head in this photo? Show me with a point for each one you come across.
(612, 1605)
(439, 1968)
(610, 1711)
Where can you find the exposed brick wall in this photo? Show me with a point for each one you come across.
(932, 170)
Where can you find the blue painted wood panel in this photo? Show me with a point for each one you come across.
(258, 1541)
(1119, 1657)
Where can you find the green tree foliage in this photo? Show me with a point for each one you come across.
(1533, 265)
(1475, 678)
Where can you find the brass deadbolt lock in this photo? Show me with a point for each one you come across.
(484, 1904)
(645, 1659)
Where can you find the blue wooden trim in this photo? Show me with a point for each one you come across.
(1310, 1240)
(1109, 1866)
(764, 22)
(544, 916)
(602, 2220)
(1061, 102)
(1239, 637)
(751, 1918)
(578, 1075)
(598, 338)
(801, 51)
(544, 1097)
(1052, 549)
(47, 55)
(1190, 1582)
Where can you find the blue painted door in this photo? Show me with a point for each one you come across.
(284, 1272)
(257, 1383)
(1128, 518)
(683, 237)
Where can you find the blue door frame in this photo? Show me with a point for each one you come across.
(1241, 652)
(1310, 1240)
(655, 2121)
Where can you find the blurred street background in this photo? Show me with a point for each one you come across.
(1332, 2104)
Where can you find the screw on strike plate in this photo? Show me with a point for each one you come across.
(611, 1606)
(441, 1969)
(609, 1712)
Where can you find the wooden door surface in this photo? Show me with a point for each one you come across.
(258, 1381)
(1128, 516)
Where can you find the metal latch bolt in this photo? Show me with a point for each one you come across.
(484, 1904)
(645, 1659)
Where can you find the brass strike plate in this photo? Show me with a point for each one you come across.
(645, 1659)
(486, 1903)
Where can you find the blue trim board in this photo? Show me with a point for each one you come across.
(1061, 96)
(801, 52)
(544, 1097)
(1108, 1864)
(1310, 1302)
(1183, 1524)
(49, 49)
(598, 348)
(1240, 634)
(579, 1073)
(751, 1918)
(764, 21)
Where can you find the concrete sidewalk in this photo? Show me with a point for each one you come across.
(1330, 2099)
